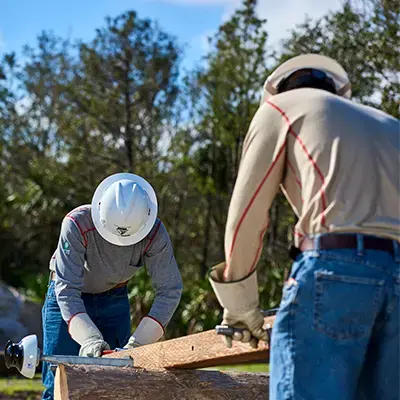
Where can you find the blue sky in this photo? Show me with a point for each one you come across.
(191, 21)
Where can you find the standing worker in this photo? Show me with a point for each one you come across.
(336, 334)
(101, 247)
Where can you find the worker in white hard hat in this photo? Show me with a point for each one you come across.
(102, 245)
(336, 332)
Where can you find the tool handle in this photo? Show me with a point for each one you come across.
(227, 330)
(107, 352)
(112, 351)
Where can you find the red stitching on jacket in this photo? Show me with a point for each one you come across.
(271, 167)
(314, 164)
(79, 227)
(262, 233)
(89, 230)
(83, 233)
(152, 238)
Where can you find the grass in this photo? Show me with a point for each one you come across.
(260, 368)
(16, 387)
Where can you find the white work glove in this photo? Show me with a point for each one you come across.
(148, 331)
(83, 330)
(240, 301)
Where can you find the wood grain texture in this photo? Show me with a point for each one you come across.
(199, 350)
(105, 383)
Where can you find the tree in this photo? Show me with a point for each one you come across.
(126, 85)
(363, 37)
(230, 87)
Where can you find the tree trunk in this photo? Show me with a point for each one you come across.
(125, 383)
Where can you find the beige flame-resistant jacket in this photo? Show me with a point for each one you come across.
(337, 162)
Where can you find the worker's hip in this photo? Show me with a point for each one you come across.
(332, 303)
(359, 244)
(110, 313)
(344, 275)
(52, 277)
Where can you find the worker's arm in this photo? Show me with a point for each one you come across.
(70, 259)
(167, 283)
(260, 174)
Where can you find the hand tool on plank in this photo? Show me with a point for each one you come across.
(229, 330)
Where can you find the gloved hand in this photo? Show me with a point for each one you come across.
(240, 302)
(252, 324)
(83, 330)
(148, 331)
(93, 347)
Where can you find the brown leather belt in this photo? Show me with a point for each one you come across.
(348, 241)
(122, 284)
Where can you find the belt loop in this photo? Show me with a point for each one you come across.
(360, 245)
(396, 251)
(317, 245)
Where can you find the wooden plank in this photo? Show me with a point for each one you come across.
(199, 350)
(75, 382)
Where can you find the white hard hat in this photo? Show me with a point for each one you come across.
(323, 63)
(124, 209)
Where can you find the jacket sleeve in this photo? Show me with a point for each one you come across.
(165, 276)
(69, 265)
(260, 174)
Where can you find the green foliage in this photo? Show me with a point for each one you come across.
(73, 113)
(17, 386)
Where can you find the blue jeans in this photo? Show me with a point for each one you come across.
(109, 311)
(336, 334)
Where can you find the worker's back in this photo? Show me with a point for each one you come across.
(343, 163)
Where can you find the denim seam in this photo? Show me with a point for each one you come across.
(355, 260)
(391, 306)
(349, 279)
(288, 374)
(288, 379)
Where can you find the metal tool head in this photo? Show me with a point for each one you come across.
(24, 356)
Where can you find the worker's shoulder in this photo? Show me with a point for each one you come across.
(296, 103)
(158, 230)
(158, 234)
(81, 217)
(310, 102)
(306, 101)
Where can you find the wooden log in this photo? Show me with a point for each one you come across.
(199, 350)
(104, 383)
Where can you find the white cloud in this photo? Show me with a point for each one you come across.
(281, 16)
(284, 15)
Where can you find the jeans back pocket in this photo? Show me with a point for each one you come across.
(345, 307)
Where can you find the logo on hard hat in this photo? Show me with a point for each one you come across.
(122, 230)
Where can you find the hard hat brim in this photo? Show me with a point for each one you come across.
(105, 233)
(316, 61)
